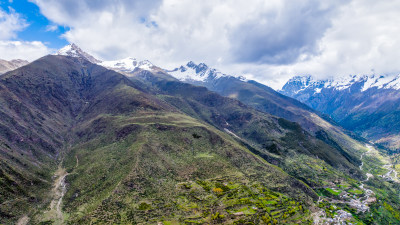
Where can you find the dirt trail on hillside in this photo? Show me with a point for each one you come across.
(23, 220)
(59, 189)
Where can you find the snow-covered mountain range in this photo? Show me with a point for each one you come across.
(299, 84)
(366, 104)
(126, 66)
(191, 72)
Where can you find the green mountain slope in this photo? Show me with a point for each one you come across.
(153, 150)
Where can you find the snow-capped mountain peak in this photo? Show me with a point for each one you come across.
(196, 72)
(128, 65)
(74, 51)
(298, 83)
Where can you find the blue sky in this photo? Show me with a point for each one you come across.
(38, 24)
(269, 41)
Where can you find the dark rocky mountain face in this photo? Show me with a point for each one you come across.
(366, 105)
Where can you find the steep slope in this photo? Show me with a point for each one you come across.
(6, 66)
(130, 157)
(368, 105)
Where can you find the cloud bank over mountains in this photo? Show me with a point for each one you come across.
(269, 41)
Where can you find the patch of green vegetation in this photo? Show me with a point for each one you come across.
(355, 191)
(334, 192)
(204, 155)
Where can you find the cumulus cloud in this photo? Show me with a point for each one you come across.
(213, 30)
(269, 41)
(10, 24)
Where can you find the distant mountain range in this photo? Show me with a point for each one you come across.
(367, 105)
(87, 141)
(6, 66)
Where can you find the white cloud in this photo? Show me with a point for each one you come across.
(51, 27)
(10, 24)
(22, 50)
(209, 30)
(268, 40)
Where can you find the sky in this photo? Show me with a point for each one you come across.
(268, 41)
